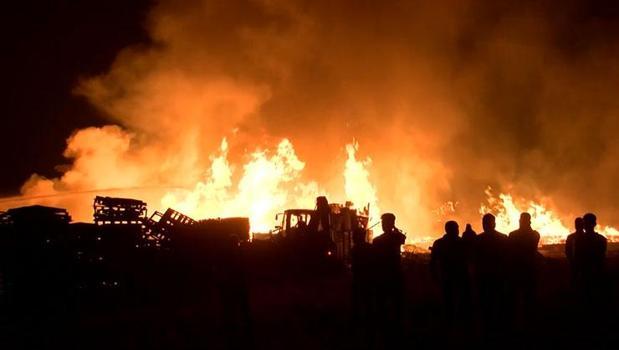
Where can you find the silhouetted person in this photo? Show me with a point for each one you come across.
(523, 253)
(319, 228)
(449, 268)
(469, 234)
(468, 239)
(590, 261)
(363, 284)
(570, 251)
(321, 218)
(389, 281)
(490, 260)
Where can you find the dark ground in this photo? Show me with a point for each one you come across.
(301, 312)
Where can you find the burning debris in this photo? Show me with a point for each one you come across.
(271, 180)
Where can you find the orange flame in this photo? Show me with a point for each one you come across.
(551, 228)
(357, 185)
(269, 184)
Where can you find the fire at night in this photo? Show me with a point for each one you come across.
(310, 174)
(271, 182)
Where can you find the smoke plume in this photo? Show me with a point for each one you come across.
(445, 98)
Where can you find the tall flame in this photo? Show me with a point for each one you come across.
(266, 183)
(357, 184)
(269, 183)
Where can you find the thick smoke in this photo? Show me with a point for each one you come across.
(446, 98)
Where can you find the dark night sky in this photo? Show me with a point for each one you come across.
(48, 46)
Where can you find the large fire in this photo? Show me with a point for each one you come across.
(270, 181)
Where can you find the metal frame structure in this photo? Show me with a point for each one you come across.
(158, 227)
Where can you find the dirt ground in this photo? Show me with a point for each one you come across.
(295, 311)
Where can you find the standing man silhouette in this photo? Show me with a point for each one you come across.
(468, 236)
(523, 248)
(590, 260)
(449, 268)
(319, 227)
(570, 251)
(389, 281)
(490, 252)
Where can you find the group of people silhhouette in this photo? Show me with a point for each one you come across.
(490, 276)
(585, 250)
(501, 270)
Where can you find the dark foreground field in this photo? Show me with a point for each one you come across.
(296, 311)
